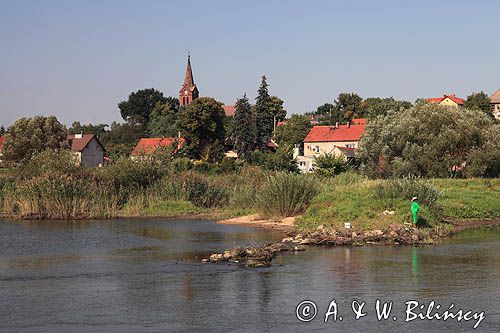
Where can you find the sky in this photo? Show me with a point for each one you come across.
(78, 59)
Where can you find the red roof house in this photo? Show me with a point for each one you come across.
(148, 146)
(229, 110)
(87, 148)
(2, 139)
(447, 100)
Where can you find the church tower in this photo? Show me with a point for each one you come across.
(189, 91)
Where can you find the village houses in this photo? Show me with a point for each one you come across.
(449, 100)
(87, 148)
(495, 104)
(341, 140)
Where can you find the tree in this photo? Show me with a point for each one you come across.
(281, 160)
(243, 136)
(347, 107)
(121, 138)
(480, 102)
(293, 131)
(325, 109)
(162, 120)
(2, 130)
(76, 128)
(202, 127)
(139, 105)
(29, 136)
(330, 165)
(484, 161)
(427, 140)
(376, 106)
(264, 117)
(277, 109)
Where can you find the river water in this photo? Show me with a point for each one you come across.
(146, 276)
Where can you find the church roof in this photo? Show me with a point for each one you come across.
(188, 78)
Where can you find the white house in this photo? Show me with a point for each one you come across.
(87, 148)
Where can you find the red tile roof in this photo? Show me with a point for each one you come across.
(2, 139)
(79, 144)
(147, 146)
(229, 110)
(342, 133)
(455, 99)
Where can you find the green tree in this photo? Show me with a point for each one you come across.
(376, 106)
(30, 136)
(479, 101)
(264, 117)
(98, 129)
(281, 160)
(243, 136)
(277, 109)
(427, 140)
(202, 127)
(2, 130)
(484, 161)
(162, 120)
(347, 107)
(139, 105)
(325, 109)
(121, 138)
(293, 131)
(330, 165)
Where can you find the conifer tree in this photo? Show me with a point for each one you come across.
(264, 118)
(243, 136)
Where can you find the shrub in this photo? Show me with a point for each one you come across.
(286, 194)
(407, 188)
(182, 164)
(202, 192)
(330, 165)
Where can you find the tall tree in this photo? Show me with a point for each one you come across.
(2, 130)
(294, 131)
(77, 127)
(29, 136)
(277, 109)
(202, 127)
(348, 106)
(376, 106)
(243, 136)
(139, 105)
(264, 117)
(479, 101)
(162, 120)
(325, 109)
(121, 138)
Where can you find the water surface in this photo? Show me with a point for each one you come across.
(146, 276)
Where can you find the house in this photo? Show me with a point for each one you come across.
(149, 146)
(87, 148)
(339, 140)
(2, 139)
(495, 104)
(450, 100)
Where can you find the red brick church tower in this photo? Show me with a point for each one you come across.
(189, 91)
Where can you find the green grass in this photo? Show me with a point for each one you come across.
(168, 208)
(361, 204)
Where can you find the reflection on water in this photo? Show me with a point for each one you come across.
(145, 275)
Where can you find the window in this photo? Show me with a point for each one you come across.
(351, 145)
(316, 149)
(302, 164)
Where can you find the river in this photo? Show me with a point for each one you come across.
(146, 276)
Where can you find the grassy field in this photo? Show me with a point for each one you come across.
(358, 201)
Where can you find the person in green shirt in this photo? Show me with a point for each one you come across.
(415, 207)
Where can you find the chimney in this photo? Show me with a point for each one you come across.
(348, 124)
(337, 124)
(79, 135)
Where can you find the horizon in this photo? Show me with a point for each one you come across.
(77, 61)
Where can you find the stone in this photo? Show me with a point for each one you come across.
(378, 232)
(204, 260)
(299, 248)
(216, 257)
(354, 234)
(320, 227)
(287, 240)
(306, 241)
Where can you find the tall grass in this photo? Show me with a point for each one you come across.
(407, 188)
(286, 194)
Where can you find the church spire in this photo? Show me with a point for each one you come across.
(188, 91)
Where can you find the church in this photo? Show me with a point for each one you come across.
(189, 91)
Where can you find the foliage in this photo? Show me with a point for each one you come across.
(98, 129)
(346, 107)
(29, 136)
(264, 117)
(139, 105)
(286, 194)
(294, 131)
(202, 128)
(375, 106)
(480, 102)
(202, 192)
(484, 161)
(2, 130)
(281, 160)
(49, 161)
(325, 109)
(276, 108)
(407, 188)
(162, 121)
(330, 165)
(243, 136)
(121, 138)
(427, 140)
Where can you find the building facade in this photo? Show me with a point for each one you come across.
(495, 104)
(188, 92)
(448, 100)
(87, 148)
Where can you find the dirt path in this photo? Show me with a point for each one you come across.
(285, 224)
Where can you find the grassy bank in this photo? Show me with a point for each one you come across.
(358, 200)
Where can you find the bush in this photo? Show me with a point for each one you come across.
(330, 165)
(286, 194)
(202, 192)
(182, 164)
(407, 188)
